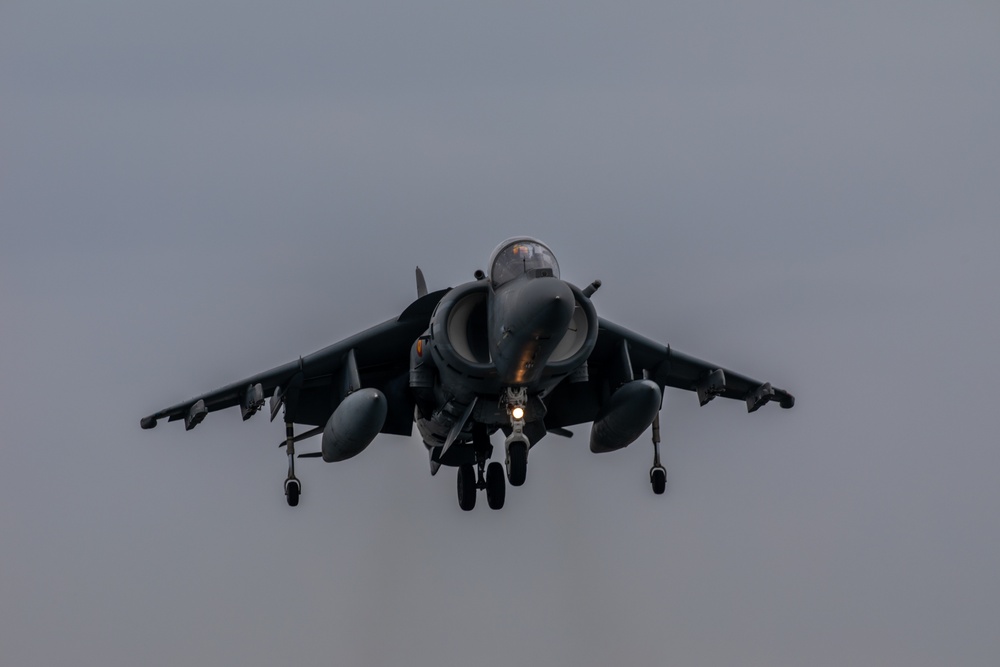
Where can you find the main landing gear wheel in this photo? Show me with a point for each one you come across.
(658, 478)
(496, 486)
(292, 490)
(466, 487)
(517, 463)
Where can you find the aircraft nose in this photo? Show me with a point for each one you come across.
(534, 314)
(545, 305)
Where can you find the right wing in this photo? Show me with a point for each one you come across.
(309, 386)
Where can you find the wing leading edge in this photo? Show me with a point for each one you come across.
(668, 367)
(380, 354)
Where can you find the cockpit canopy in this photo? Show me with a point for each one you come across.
(515, 257)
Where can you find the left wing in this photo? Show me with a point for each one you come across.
(670, 368)
(621, 355)
(309, 387)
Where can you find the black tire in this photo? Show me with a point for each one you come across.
(496, 485)
(292, 491)
(466, 487)
(517, 463)
(658, 478)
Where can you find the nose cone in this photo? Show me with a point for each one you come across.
(543, 304)
(530, 319)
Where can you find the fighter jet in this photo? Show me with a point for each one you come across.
(519, 351)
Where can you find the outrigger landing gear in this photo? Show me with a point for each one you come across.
(657, 474)
(293, 487)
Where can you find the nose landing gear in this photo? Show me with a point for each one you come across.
(517, 459)
(517, 444)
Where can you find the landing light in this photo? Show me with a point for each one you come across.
(517, 413)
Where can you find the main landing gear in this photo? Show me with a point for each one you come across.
(469, 483)
(657, 474)
(472, 479)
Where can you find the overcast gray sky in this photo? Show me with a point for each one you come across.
(192, 192)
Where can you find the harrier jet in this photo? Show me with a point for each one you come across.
(519, 351)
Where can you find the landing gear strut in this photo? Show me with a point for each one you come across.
(496, 487)
(293, 487)
(657, 474)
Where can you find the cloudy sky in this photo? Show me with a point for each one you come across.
(191, 192)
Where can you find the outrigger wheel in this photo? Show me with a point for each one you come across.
(292, 490)
(658, 478)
